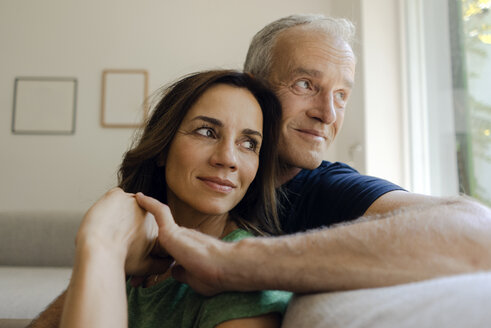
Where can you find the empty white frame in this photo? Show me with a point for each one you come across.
(44, 105)
(124, 94)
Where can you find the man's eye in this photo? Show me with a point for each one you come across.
(206, 132)
(303, 87)
(303, 84)
(340, 96)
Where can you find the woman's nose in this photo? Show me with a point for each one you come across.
(224, 155)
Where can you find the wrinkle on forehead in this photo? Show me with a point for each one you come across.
(331, 47)
(307, 45)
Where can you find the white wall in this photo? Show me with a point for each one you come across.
(384, 128)
(80, 39)
(350, 143)
(373, 136)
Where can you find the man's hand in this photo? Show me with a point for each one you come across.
(200, 257)
(427, 241)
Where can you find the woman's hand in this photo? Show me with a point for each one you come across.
(117, 224)
(115, 238)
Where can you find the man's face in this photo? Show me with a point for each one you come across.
(312, 74)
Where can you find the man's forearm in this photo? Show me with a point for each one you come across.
(51, 316)
(409, 245)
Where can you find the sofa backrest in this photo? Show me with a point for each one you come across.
(38, 238)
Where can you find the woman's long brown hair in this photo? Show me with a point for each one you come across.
(141, 171)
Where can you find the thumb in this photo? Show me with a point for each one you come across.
(160, 211)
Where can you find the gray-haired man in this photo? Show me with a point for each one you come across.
(308, 61)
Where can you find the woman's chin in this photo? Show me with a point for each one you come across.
(213, 208)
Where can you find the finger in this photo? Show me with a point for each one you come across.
(160, 211)
(149, 203)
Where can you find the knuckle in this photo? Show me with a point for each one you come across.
(164, 210)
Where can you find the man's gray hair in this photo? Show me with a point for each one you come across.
(259, 57)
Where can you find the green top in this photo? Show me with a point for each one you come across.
(173, 304)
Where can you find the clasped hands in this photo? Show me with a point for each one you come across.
(140, 232)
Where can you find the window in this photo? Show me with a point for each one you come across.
(447, 56)
(470, 36)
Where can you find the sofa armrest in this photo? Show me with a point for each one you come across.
(456, 301)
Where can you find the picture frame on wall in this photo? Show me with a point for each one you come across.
(124, 98)
(44, 105)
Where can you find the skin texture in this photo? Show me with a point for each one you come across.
(313, 84)
(214, 144)
(363, 254)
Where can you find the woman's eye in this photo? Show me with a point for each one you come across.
(250, 145)
(206, 132)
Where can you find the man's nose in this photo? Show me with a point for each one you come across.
(224, 155)
(324, 109)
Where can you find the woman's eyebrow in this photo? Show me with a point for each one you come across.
(208, 119)
(252, 132)
(219, 123)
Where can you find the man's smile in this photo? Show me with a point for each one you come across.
(312, 135)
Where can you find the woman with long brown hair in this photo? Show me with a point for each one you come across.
(208, 152)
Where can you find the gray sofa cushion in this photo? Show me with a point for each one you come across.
(38, 238)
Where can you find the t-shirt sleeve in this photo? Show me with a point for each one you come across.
(332, 194)
(236, 305)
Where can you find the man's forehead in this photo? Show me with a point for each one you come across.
(311, 52)
(303, 45)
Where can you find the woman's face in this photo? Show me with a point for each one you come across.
(214, 156)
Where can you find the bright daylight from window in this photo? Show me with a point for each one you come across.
(470, 24)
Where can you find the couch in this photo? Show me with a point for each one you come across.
(36, 255)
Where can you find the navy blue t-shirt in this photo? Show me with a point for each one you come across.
(332, 193)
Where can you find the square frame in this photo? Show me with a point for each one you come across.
(124, 98)
(44, 105)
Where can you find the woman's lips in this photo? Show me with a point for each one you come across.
(217, 184)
